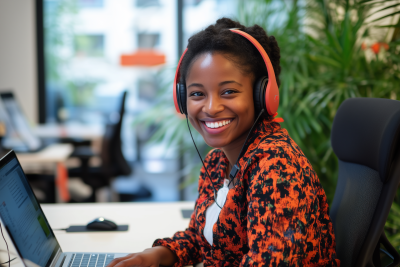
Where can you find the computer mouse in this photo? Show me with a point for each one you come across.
(101, 224)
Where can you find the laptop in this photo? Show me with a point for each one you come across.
(19, 135)
(28, 228)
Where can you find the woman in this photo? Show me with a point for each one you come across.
(275, 212)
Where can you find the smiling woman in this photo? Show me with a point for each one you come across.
(219, 92)
(271, 209)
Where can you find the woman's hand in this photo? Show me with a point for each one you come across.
(151, 257)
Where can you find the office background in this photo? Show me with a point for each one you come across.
(86, 75)
(321, 72)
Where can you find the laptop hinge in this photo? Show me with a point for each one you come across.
(55, 259)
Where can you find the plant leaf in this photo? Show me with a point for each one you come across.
(386, 16)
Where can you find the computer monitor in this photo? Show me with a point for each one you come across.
(19, 132)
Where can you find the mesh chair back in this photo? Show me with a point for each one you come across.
(365, 135)
(113, 160)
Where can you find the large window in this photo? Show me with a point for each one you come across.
(93, 54)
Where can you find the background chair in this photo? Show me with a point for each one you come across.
(365, 136)
(113, 162)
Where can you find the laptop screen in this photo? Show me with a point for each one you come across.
(22, 215)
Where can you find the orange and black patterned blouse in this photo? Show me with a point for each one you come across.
(276, 214)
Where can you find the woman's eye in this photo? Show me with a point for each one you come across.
(196, 94)
(228, 92)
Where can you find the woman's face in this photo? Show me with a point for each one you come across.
(219, 100)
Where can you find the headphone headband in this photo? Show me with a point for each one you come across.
(271, 91)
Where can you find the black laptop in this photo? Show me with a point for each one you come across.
(27, 226)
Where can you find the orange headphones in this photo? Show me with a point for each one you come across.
(265, 93)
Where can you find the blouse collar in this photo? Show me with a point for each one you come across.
(260, 131)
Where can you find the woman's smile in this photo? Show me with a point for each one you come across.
(216, 126)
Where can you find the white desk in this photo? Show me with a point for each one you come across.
(94, 133)
(147, 222)
(54, 153)
(52, 158)
(71, 130)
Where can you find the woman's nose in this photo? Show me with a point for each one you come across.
(213, 106)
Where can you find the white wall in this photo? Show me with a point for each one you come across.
(18, 69)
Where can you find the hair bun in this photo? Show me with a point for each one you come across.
(225, 23)
(217, 37)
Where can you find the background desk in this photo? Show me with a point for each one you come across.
(53, 158)
(51, 154)
(83, 131)
(71, 131)
(147, 222)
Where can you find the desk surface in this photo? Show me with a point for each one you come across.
(147, 222)
(74, 130)
(51, 154)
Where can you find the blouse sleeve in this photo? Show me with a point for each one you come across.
(280, 225)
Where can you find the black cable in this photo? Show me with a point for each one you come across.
(209, 177)
(8, 251)
(248, 135)
(235, 168)
(9, 261)
(61, 229)
(2, 250)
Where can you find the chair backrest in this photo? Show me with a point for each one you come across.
(113, 160)
(364, 137)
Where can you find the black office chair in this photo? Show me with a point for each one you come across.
(113, 162)
(365, 136)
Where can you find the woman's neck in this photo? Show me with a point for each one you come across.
(232, 151)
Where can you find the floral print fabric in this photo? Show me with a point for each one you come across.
(275, 215)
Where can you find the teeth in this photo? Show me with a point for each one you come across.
(217, 124)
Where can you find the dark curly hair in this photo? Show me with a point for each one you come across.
(218, 38)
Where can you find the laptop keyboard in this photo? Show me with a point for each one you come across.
(91, 260)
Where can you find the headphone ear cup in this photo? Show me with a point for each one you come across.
(181, 93)
(259, 94)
